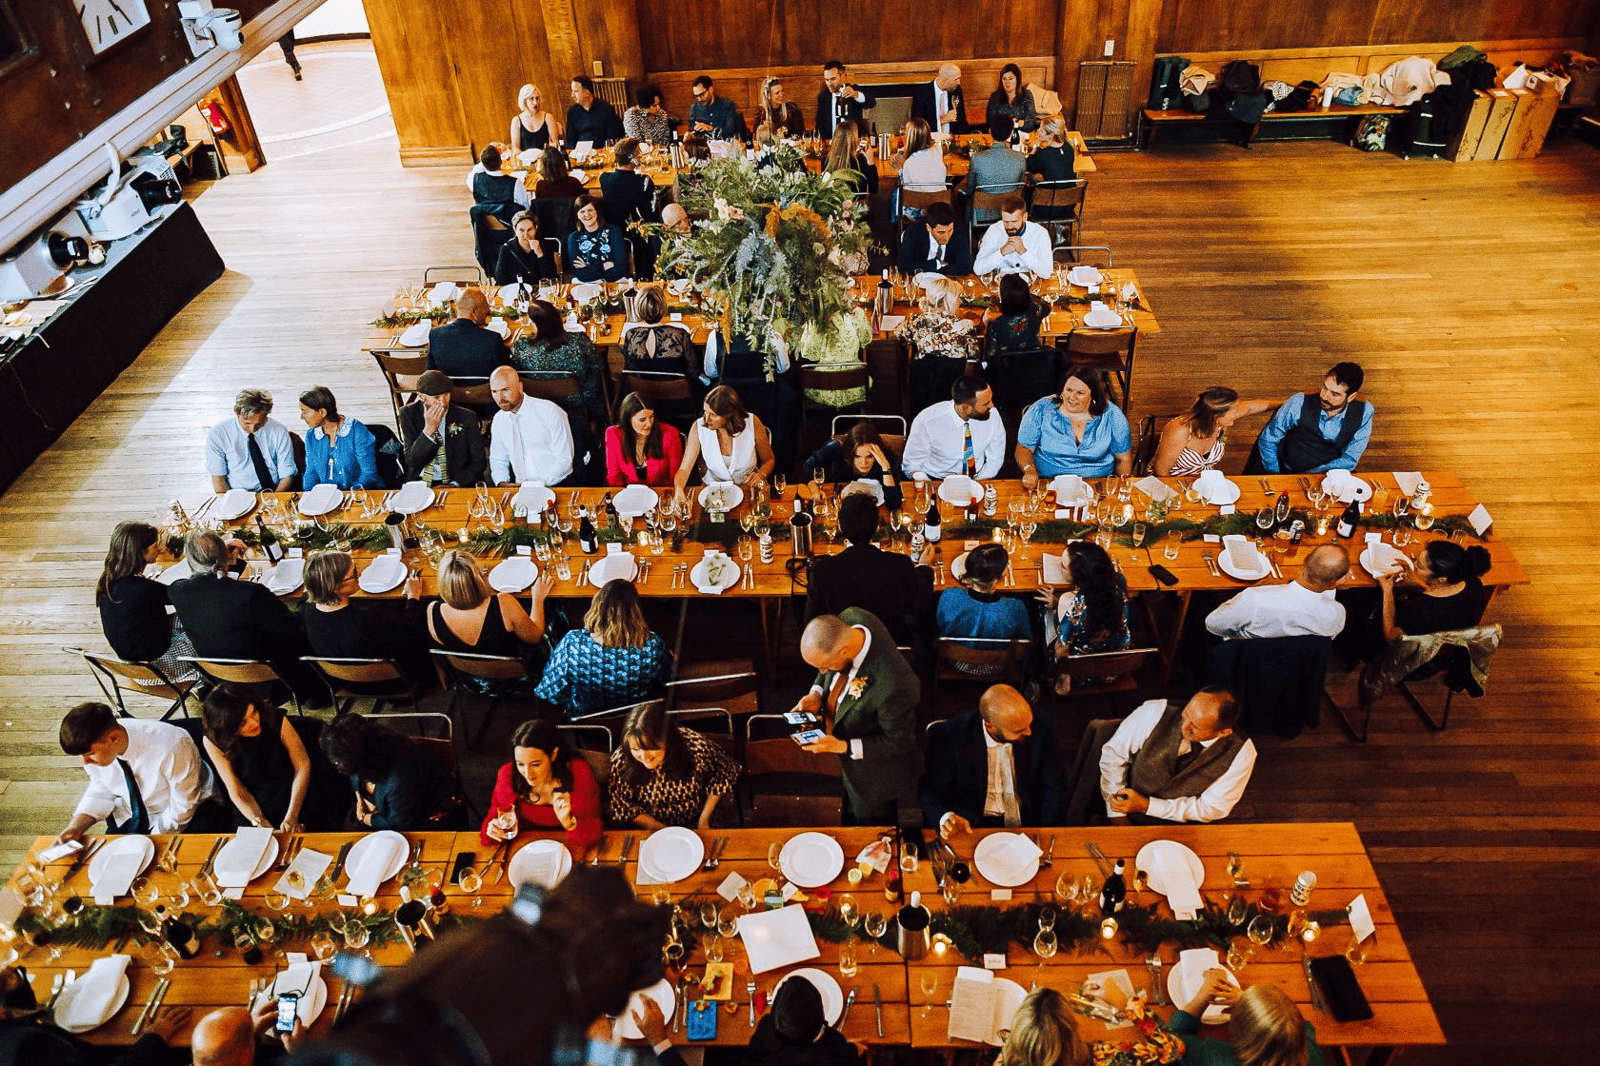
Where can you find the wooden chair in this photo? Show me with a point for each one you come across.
(1021, 377)
(1370, 686)
(730, 684)
(379, 680)
(1144, 445)
(1110, 351)
(441, 748)
(257, 672)
(1056, 196)
(783, 785)
(582, 739)
(659, 387)
(1004, 662)
(462, 274)
(552, 385)
(1120, 666)
(147, 678)
(400, 369)
(474, 395)
(896, 421)
(501, 675)
(986, 198)
(829, 377)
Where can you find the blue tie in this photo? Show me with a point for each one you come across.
(138, 817)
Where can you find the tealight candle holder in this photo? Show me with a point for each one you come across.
(1108, 928)
(1300, 895)
(1310, 932)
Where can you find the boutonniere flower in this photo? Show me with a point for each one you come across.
(857, 686)
(454, 428)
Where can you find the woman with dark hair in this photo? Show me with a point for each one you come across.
(846, 157)
(596, 250)
(398, 783)
(640, 449)
(1044, 1032)
(1442, 592)
(1077, 431)
(653, 344)
(663, 775)
(795, 1032)
(628, 195)
(133, 608)
(777, 111)
(1194, 442)
(734, 444)
(337, 628)
(1015, 326)
(339, 450)
(265, 763)
(646, 120)
(525, 258)
(552, 349)
(613, 661)
(555, 182)
(1092, 615)
(532, 126)
(860, 456)
(544, 787)
(974, 609)
(1265, 1027)
(1013, 100)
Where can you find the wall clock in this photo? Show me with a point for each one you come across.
(106, 22)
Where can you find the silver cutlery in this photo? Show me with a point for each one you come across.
(877, 1004)
(347, 996)
(288, 853)
(150, 1007)
(83, 856)
(627, 846)
(57, 983)
(1311, 983)
(844, 1015)
(1099, 858)
(1011, 579)
(681, 1015)
(1158, 991)
(1210, 560)
(416, 856)
(209, 866)
(496, 868)
(1266, 486)
(750, 990)
(333, 871)
(1049, 859)
(711, 853)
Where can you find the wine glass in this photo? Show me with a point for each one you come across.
(847, 909)
(1259, 930)
(1027, 529)
(708, 916)
(775, 856)
(928, 984)
(1140, 529)
(779, 483)
(1045, 944)
(356, 935)
(1402, 504)
(1238, 908)
(746, 548)
(1236, 958)
(1265, 518)
(1067, 888)
(323, 946)
(1047, 918)
(1423, 517)
(471, 882)
(874, 925)
(276, 900)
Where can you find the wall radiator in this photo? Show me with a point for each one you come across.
(1105, 99)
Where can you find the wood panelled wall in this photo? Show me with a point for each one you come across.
(452, 70)
(60, 90)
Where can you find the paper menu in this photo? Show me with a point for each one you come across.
(1242, 553)
(1408, 480)
(237, 860)
(777, 938)
(1055, 571)
(306, 870)
(972, 1005)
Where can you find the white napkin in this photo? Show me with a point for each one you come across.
(972, 1005)
(1408, 480)
(1480, 520)
(1154, 488)
(366, 877)
(237, 861)
(443, 292)
(94, 990)
(777, 938)
(1014, 857)
(500, 326)
(299, 977)
(116, 874)
(708, 586)
(383, 570)
(1117, 979)
(1183, 895)
(306, 870)
(641, 876)
(285, 577)
(1130, 292)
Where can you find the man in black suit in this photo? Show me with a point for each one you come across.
(936, 243)
(939, 102)
(996, 766)
(866, 695)
(888, 584)
(840, 100)
(441, 441)
(465, 348)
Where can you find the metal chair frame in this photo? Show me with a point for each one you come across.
(103, 669)
(495, 668)
(395, 674)
(243, 672)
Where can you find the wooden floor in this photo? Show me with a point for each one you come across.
(1470, 294)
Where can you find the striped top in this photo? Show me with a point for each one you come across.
(1190, 461)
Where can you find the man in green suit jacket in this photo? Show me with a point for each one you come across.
(866, 695)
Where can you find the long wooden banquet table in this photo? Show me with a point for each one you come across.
(1272, 856)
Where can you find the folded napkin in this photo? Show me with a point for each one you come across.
(1480, 520)
(237, 861)
(93, 993)
(285, 577)
(1183, 895)
(1154, 488)
(412, 494)
(777, 938)
(1013, 858)
(375, 862)
(382, 570)
(716, 566)
(889, 323)
(116, 874)
(1192, 965)
(320, 499)
(1113, 988)
(1408, 480)
(1242, 552)
(299, 977)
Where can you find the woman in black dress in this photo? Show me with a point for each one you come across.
(1443, 592)
(1052, 165)
(265, 764)
(133, 608)
(532, 126)
(336, 628)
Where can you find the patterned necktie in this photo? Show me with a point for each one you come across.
(259, 461)
(967, 458)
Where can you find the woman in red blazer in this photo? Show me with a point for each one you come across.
(548, 788)
(639, 449)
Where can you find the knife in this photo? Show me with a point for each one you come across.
(1099, 858)
(849, 1001)
(627, 846)
(83, 857)
(216, 846)
(491, 872)
(877, 1004)
(1311, 982)
(150, 1007)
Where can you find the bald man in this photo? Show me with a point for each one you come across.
(1177, 762)
(866, 695)
(993, 767)
(530, 439)
(465, 348)
(1305, 607)
(229, 1036)
(675, 218)
(939, 102)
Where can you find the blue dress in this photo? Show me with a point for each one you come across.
(350, 462)
(597, 248)
(584, 677)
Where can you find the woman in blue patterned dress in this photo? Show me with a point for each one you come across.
(613, 661)
(596, 249)
(1093, 615)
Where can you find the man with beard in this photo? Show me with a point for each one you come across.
(1315, 432)
(1014, 244)
(963, 436)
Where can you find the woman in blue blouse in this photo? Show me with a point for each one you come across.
(1266, 1028)
(339, 450)
(613, 661)
(1080, 431)
(596, 251)
(975, 609)
(1093, 616)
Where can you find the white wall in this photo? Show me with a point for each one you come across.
(334, 16)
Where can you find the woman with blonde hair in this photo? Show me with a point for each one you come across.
(1044, 1032)
(921, 162)
(1266, 1029)
(532, 126)
(474, 618)
(1053, 165)
(614, 660)
(941, 342)
(777, 111)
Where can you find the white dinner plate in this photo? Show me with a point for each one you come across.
(958, 490)
(286, 577)
(811, 860)
(586, 291)
(235, 503)
(1103, 318)
(515, 574)
(118, 1000)
(721, 496)
(416, 334)
(1226, 563)
(615, 566)
(532, 860)
(534, 497)
(413, 496)
(1171, 851)
(312, 1000)
(1084, 276)
(983, 857)
(635, 500)
(958, 567)
(1008, 998)
(508, 293)
(1346, 488)
(399, 849)
(383, 574)
(661, 992)
(269, 855)
(832, 995)
(321, 499)
(727, 578)
(678, 286)
(142, 848)
(1221, 494)
(1379, 558)
(673, 853)
(1183, 983)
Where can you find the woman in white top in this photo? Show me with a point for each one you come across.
(921, 162)
(734, 444)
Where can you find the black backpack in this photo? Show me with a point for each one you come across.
(1241, 76)
(1166, 94)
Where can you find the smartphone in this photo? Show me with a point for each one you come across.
(799, 717)
(1163, 575)
(288, 1005)
(464, 860)
(809, 736)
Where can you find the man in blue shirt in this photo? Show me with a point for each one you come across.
(713, 116)
(250, 450)
(1315, 432)
(590, 120)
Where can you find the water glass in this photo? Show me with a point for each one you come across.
(908, 862)
(847, 957)
(276, 900)
(1238, 908)
(1358, 949)
(207, 889)
(323, 946)
(564, 568)
(951, 892)
(506, 820)
(1047, 918)
(1260, 930)
(356, 935)
(145, 892)
(1169, 550)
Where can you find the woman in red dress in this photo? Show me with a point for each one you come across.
(546, 788)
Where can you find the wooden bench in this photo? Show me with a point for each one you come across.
(1332, 112)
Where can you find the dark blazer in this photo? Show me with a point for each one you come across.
(852, 109)
(626, 196)
(887, 584)
(231, 619)
(916, 251)
(922, 106)
(883, 717)
(465, 458)
(514, 264)
(464, 349)
(415, 787)
(828, 1049)
(33, 1042)
(955, 773)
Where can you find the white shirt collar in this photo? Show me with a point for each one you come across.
(866, 646)
(988, 739)
(344, 429)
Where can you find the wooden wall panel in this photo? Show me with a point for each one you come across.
(417, 76)
(1408, 20)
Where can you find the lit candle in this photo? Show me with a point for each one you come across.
(1108, 928)
(1310, 932)
(941, 944)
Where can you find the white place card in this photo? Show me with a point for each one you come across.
(302, 874)
(60, 851)
(297, 553)
(999, 895)
(1408, 480)
(524, 550)
(1480, 520)
(1373, 538)
(236, 892)
(393, 551)
(347, 901)
(1226, 508)
(1361, 923)
(994, 960)
(1210, 538)
(731, 886)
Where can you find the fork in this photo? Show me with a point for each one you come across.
(57, 983)
(1210, 561)
(1049, 854)
(750, 990)
(714, 859)
(1158, 990)
(288, 853)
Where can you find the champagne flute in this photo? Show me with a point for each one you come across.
(928, 984)
(779, 483)
(875, 925)
(847, 957)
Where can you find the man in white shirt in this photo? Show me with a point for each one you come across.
(530, 439)
(962, 436)
(996, 766)
(144, 776)
(1014, 244)
(1305, 607)
(1177, 763)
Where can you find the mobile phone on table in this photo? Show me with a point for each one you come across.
(288, 1005)
(1163, 575)
(464, 860)
(809, 736)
